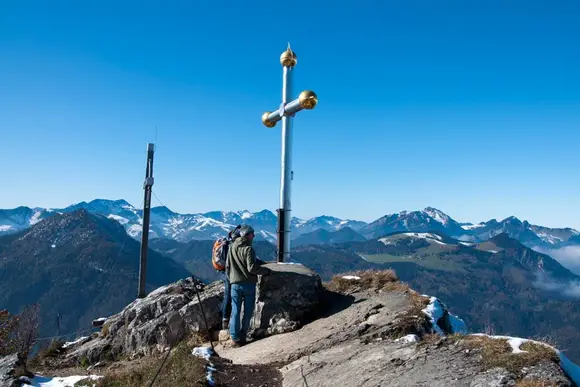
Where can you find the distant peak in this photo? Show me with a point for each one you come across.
(512, 219)
(162, 209)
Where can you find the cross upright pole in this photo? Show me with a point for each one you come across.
(306, 100)
(147, 187)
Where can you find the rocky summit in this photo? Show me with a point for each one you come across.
(362, 329)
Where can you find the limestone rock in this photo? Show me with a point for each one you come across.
(351, 346)
(495, 377)
(154, 323)
(285, 298)
(548, 372)
(8, 365)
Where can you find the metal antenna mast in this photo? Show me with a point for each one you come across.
(147, 187)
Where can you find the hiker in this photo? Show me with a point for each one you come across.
(242, 268)
(219, 258)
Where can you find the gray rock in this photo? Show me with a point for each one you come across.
(548, 372)
(349, 347)
(285, 298)
(8, 365)
(154, 323)
(495, 377)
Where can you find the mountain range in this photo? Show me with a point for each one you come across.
(79, 265)
(167, 224)
(84, 265)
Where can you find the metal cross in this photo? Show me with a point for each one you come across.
(306, 100)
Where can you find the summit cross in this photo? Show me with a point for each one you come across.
(306, 100)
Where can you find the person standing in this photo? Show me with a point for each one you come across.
(242, 269)
(219, 258)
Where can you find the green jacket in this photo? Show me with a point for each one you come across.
(242, 264)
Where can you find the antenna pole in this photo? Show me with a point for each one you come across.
(147, 187)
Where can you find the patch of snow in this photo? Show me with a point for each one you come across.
(5, 227)
(424, 235)
(205, 353)
(408, 339)
(69, 381)
(53, 246)
(351, 277)
(71, 343)
(472, 226)
(386, 241)
(492, 251)
(436, 310)
(119, 219)
(101, 319)
(457, 324)
(35, 218)
(432, 238)
(551, 239)
(437, 215)
(246, 215)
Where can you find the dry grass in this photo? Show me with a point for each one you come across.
(180, 369)
(498, 353)
(105, 329)
(369, 280)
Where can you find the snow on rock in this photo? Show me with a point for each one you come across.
(351, 277)
(119, 219)
(472, 226)
(69, 381)
(457, 324)
(206, 353)
(437, 215)
(428, 236)
(424, 235)
(71, 343)
(408, 339)
(437, 310)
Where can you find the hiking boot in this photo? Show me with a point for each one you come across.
(238, 344)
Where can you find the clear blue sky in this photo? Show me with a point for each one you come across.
(472, 107)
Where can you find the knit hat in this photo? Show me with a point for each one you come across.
(246, 230)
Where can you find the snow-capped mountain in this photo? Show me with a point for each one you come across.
(432, 219)
(21, 218)
(429, 219)
(166, 223)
